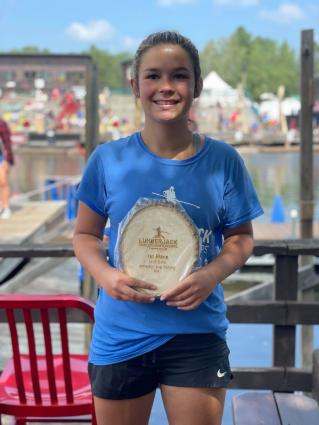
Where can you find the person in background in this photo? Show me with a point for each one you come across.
(176, 342)
(6, 160)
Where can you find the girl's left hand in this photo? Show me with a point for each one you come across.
(190, 292)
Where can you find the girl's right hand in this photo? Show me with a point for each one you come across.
(122, 287)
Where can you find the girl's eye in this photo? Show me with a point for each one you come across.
(152, 76)
(181, 76)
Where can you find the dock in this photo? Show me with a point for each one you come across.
(277, 231)
(31, 222)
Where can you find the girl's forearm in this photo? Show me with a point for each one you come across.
(235, 252)
(90, 251)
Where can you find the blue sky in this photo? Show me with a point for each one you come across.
(65, 26)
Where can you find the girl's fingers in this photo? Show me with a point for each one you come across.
(173, 294)
(189, 307)
(133, 295)
(136, 283)
(182, 303)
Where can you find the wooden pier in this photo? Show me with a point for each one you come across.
(31, 222)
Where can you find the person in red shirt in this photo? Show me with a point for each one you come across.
(6, 160)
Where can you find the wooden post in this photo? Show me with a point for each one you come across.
(306, 135)
(286, 288)
(315, 375)
(306, 169)
(91, 141)
(91, 109)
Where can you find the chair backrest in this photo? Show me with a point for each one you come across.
(30, 308)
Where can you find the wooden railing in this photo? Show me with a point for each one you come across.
(284, 313)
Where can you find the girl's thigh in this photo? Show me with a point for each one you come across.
(3, 174)
(193, 406)
(133, 411)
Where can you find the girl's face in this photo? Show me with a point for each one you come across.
(166, 83)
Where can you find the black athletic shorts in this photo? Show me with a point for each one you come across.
(187, 360)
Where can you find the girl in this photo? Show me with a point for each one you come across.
(6, 160)
(176, 342)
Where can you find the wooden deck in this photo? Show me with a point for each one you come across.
(31, 220)
(278, 231)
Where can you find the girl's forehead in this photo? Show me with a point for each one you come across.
(165, 54)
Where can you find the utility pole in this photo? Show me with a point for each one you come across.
(306, 171)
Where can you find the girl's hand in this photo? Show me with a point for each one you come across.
(122, 287)
(190, 292)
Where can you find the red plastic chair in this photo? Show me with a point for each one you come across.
(45, 387)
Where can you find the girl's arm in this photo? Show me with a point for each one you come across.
(192, 291)
(90, 251)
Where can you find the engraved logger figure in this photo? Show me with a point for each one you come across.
(159, 233)
(170, 196)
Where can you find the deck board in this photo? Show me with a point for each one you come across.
(31, 220)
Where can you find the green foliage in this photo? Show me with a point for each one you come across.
(261, 64)
(31, 50)
(110, 71)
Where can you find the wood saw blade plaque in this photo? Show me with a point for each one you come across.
(159, 244)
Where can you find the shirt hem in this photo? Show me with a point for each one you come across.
(103, 362)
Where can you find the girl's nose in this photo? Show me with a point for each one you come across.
(166, 86)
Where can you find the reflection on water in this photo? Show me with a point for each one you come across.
(272, 173)
(278, 173)
(31, 169)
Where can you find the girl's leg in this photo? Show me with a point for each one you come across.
(133, 411)
(4, 185)
(193, 406)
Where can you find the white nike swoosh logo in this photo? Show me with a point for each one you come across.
(220, 374)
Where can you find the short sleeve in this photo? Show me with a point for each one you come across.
(241, 203)
(92, 188)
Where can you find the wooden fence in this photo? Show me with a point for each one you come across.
(284, 312)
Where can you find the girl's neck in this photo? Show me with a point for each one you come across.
(172, 142)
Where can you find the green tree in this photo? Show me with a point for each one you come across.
(208, 58)
(271, 65)
(31, 50)
(110, 72)
(259, 63)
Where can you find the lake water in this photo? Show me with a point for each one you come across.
(272, 174)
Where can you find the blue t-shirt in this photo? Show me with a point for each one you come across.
(216, 191)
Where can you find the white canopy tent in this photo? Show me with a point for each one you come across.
(269, 107)
(216, 90)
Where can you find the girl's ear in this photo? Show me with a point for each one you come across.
(135, 87)
(198, 88)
